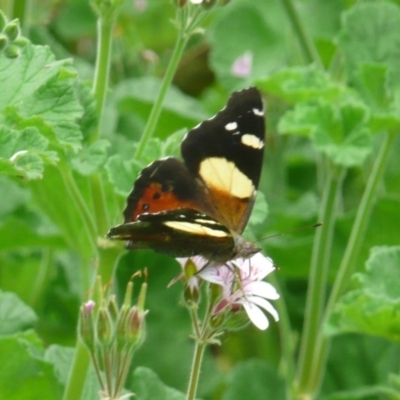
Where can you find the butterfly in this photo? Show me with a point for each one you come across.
(201, 206)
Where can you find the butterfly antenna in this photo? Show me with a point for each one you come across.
(291, 231)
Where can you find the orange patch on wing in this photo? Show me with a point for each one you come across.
(154, 200)
(229, 210)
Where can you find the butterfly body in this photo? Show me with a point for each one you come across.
(201, 206)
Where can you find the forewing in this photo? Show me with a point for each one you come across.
(225, 152)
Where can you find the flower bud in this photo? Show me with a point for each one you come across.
(12, 30)
(3, 20)
(113, 309)
(3, 41)
(191, 293)
(21, 42)
(86, 325)
(217, 320)
(128, 295)
(120, 327)
(12, 51)
(134, 328)
(104, 327)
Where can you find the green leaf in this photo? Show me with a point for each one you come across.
(39, 92)
(339, 129)
(24, 374)
(12, 196)
(148, 386)
(14, 314)
(89, 120)
(371, 35)
(374, 87)
(374, 82)
(24, 152)
(254, 380)
(91, 159)
(17, 233)
(122, 174)
(301, 84)
(54, 192)
(61, 358)
(374, 307)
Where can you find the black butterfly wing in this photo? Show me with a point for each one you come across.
(225, 153)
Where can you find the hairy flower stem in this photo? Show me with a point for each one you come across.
(349, 261)
(105, 27)
(157, 107)
(188, 19)
(316, 294)
(195, 372)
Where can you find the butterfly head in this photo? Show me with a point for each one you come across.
(244, 248)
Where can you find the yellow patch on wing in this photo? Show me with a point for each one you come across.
(252, 141)
(196, 229)
(224, 176)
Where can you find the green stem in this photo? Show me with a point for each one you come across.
(77, 377)
(99, 204)
(287, 365)
(108, 259)
(156, 110)
(21, 11)
(318, 278)
(105, 27)
(76, 380)
(195, 372)
(307, 45)
(81, 204)
(349, 260)
(41, 276)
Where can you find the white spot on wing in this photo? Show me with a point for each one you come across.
(258, 112)
(195, 229)
(231, 126)
(205, 221)
(223, 175)
(252, 141)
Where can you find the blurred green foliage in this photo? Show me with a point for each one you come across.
(49, 234)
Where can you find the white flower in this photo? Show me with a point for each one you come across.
(242, 66)
(243, 286)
